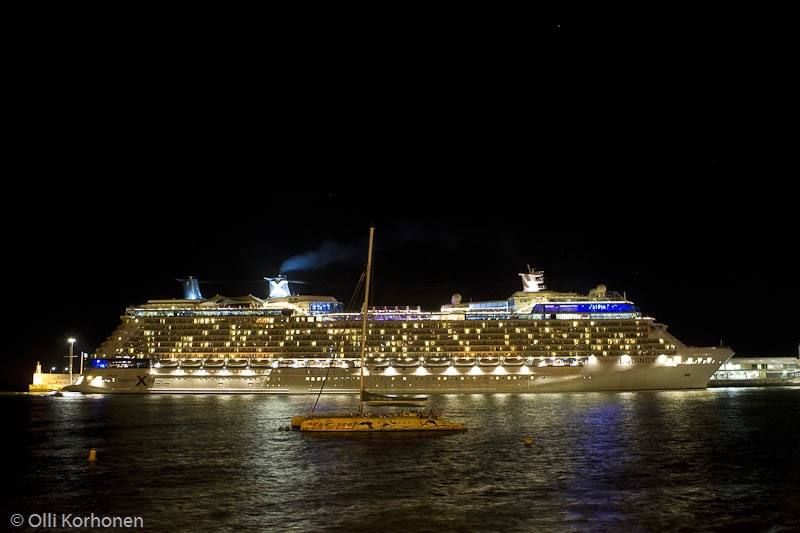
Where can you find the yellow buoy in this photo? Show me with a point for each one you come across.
(528, 441)
(92, 455)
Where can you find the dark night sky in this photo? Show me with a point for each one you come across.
(649, 161)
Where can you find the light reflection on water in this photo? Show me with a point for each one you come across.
(711, 460)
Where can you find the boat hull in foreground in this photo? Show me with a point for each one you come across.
(375, 423)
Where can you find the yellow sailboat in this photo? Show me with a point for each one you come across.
(363, 422)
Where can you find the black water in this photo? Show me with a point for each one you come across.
(713, 460)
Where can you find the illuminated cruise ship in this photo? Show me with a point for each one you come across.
(536, 340)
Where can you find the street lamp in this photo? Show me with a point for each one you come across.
(71, 342)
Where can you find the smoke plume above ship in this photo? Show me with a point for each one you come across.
(328, 252)
(440, 238)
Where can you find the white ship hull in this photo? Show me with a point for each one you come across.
(603, 375)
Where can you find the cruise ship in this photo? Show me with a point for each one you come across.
(536, 340)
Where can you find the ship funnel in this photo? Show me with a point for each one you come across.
(278, 287)
(191, 288)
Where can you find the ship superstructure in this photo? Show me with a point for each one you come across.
(536, 340)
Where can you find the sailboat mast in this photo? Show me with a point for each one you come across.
(364, 326)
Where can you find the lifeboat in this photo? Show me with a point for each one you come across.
(513, 360)
(191, 363)
(380, 362)
(168, 363)
(213, 362)
(237, 363)
(261, 362)
(437, 361)
(464, 361)
(488, 361)
(406, 362)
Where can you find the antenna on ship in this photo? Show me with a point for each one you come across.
(532, 280)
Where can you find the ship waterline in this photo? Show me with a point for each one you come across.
(534, 341)
(598, 375)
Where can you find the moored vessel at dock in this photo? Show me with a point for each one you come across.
(536, 340)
